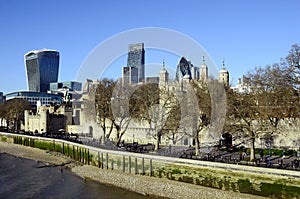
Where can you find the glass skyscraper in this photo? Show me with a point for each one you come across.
(134, 72)
(186, 69)
(2, 98)
(41, 68)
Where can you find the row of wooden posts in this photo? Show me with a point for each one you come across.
(83, 155)
(130, 162)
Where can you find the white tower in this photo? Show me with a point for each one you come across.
(224, 75)
(203, 71)
(163, 76)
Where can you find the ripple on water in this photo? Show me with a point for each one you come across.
(24, 178)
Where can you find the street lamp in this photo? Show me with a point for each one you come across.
(269, 143)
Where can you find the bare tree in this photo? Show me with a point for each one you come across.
(103, 106)
(152, 104)
(258, 113)
(276, 98)
(171, 128)
(143, 97)
(194, 104)
(120, 107)
(241, 116)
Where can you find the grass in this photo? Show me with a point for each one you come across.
(232, 181)
(76, 153)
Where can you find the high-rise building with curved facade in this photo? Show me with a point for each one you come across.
(41, 69)
(186, 69)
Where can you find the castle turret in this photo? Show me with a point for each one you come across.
(26, 118)
(224, 75)
(163, 76)
(43, 112)
(203, 71)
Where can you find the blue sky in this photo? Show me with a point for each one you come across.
(246, 33)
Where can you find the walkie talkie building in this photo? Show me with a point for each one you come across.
(41, 68)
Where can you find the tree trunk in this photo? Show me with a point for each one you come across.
(7, 125)
(103, 138)
(118, 141)
(252, 149)
(119, 137)
(157, 143)
(173, 138)
(109, 133)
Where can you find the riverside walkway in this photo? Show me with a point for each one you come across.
(110, 156)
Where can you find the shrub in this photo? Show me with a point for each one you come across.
(4, 139)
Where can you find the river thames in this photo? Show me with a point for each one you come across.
(25, 178)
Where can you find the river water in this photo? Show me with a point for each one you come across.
(24, 178)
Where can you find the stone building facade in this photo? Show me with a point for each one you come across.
(49, 119)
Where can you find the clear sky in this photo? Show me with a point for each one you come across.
(246, 33)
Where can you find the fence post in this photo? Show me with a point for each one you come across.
(77, 156)
(98, 159)
(112, 164)
(63, 148)
(143, 166)
(106, 160)
(80, 155)
(129, 164)
(150, 167)
(123, 163)
(136, 166)
(88, 156)
(101, 160)
(84, 156)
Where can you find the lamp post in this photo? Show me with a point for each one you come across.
(269, 143)
(269, 158)
(261, 149)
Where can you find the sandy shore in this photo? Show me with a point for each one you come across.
(142, 184)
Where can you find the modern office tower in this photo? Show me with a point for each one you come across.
(2, 98)
(183, 69)
(134, 72)
(35, 98)
(42, 68)
(195, 72)
(186, 70)
(71, 85)
(70, 90)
